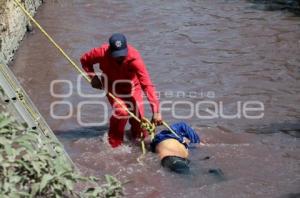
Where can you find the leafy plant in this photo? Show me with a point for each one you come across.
(113, 188)
(29, 169)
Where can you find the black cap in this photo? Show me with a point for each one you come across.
(118, 45)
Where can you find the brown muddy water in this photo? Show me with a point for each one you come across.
(220, 51)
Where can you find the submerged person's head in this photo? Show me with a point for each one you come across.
(176, 164)
(118, 47)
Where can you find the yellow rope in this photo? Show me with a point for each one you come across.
(84, 74)
(19, 94)
(52, 40)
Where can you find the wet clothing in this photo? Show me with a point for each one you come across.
(134, 71)
(176, 164)
(182, 130)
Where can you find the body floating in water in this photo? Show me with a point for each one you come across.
(173, 150)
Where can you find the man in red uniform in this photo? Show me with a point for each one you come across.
(120, 62)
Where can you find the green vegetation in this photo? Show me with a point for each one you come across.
(29, 169)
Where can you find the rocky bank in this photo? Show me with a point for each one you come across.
(13, 26)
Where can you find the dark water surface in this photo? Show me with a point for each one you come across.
(222, 51)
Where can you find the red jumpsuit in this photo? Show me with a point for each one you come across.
(132, 69)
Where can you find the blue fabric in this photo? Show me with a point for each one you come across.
(181, 129)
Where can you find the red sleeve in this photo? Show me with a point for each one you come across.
(146, 83)
(90, 58)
